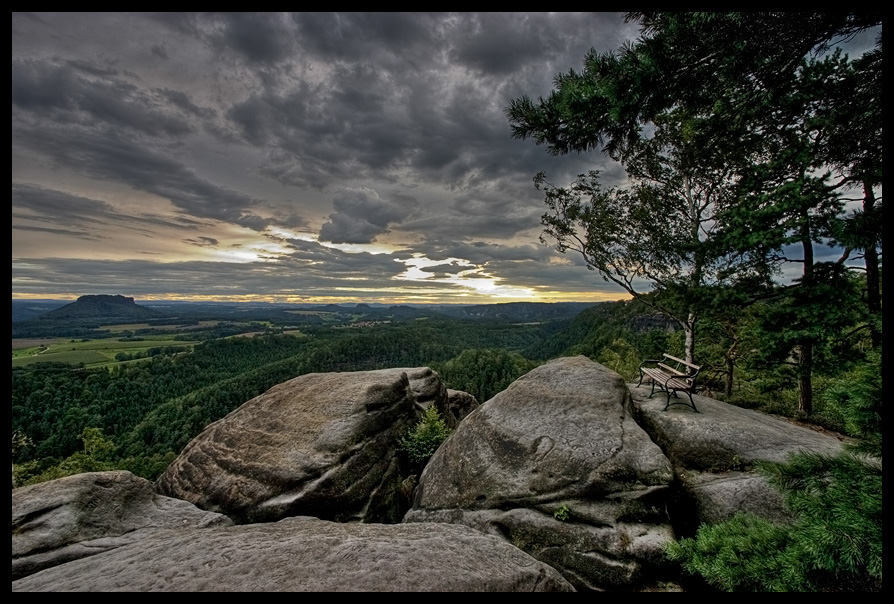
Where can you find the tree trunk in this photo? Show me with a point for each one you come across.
(804, 350)
(689, 330)
(731, 354)
(729, 377)
(805, 381)
(873, 279)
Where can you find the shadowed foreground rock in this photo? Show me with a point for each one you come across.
(322, 444)
(306, 554)
(87, 514)
(559, 437)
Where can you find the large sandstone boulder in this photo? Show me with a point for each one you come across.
(319, 445)
(87, 514)
(713, 453)
(558, 439)
(307, 554)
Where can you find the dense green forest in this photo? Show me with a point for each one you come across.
(148, 409)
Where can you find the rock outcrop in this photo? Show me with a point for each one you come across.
(322, 444)
(567, 470)
(87, 514)
(559, 438)
(713, 454)
(307, 554)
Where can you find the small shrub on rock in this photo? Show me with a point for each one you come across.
(423, 440)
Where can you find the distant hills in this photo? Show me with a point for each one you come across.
(82, 318)
(520, 311)
(24, 310)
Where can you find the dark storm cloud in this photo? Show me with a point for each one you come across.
(500, 43)
(48, 204)
(64, 92)
(359, 217)
(379, 105)
(159, 52)
(106, 156)
(444, 270)
(361, 36)
(262, 37)
(87, 235)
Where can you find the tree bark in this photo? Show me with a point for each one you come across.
(689, 330)
(804, 350)
(805, 378)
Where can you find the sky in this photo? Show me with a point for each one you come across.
(304, 158)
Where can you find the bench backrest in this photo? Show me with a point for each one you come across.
(682, 367)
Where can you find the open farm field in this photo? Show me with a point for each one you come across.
(135, 326)
(92, 353)
(22, 343)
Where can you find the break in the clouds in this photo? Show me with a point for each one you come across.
(290, 156)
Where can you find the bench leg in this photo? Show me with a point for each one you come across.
(691, 403)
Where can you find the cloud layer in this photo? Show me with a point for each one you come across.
(289, 156)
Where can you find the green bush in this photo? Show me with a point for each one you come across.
(423, 440)
(834, 544)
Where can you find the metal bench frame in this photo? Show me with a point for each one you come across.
(672, 375)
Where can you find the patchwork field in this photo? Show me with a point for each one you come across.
(92, 353)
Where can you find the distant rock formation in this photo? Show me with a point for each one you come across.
(459, 405)
(87, 514)
(101, 307)
(322, 444)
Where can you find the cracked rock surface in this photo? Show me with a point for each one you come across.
(322, 444)
(87, 514)
(307, 554)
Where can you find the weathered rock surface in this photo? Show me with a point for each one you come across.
(321, 445)
(558, 436)
(427, 387)
(713, 453)
(87, 514)
(459, 405)
(307, 554)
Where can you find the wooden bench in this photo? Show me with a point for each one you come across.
(671, 375)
